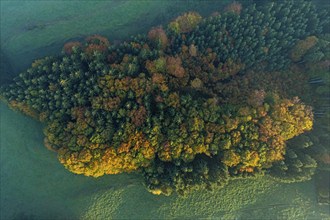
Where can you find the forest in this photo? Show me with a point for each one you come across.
(192, 104)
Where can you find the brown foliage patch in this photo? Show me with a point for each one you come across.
(138, 116)
(234, 7)
(158, 36)
(68, 47)
(96, 43)
(174, 67)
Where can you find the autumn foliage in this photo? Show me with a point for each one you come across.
(185, 23)
(302, 47)
(158, 36)
(234, 7)
(68, 47)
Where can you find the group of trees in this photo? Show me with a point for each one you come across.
(188, 105)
